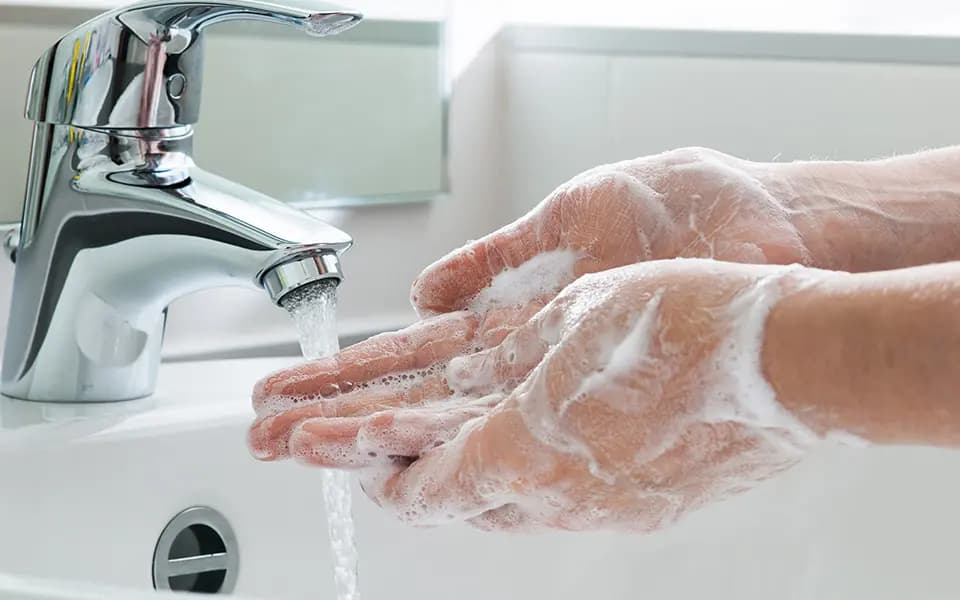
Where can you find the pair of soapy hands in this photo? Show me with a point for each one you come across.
(617, 398)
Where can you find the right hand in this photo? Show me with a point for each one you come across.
(691, 203)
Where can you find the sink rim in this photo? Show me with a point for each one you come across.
(190, 395)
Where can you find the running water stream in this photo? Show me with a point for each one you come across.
(313, 309)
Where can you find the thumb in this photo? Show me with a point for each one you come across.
(455, 280)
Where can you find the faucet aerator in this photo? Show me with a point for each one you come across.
(286, 278)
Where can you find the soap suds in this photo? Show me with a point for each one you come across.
(743, 394)
(398, 383)
(544, 274)
(625, 357)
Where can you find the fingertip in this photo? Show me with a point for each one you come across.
(268, 437)
(330, 443)
(416, 293)
(373, 479)
(263, 444)
(302, 383)
(436, 489)
(264, 393)
(459, 371)
(509, 518)
(452, 282)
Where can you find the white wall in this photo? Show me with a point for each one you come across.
(930, 17)
(568, 112)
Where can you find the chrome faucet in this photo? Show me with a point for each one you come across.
(118, 221)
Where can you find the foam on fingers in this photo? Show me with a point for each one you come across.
(269, 437)
(543, 275)
(445, 484)
(509, 518)
(453, 281)
(499, 368)
(330, 443)
(411, 351)
(411, 433)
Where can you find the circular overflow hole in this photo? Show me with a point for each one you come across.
(196, 552)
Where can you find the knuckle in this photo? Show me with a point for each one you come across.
(692, 154)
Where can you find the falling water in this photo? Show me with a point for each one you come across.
(313, 308)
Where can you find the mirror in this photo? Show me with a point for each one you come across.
(355, 118)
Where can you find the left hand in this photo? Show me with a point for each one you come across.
(633, 398)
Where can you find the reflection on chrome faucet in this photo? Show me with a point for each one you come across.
(118, 220)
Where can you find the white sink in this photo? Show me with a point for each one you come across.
(87, 491)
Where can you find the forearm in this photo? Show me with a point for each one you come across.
(876, 355)
(877, 215)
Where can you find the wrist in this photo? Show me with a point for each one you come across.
(873, 355)
(868, 216)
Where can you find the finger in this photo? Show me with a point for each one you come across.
(330, 443)
(452, 282)
(391, 435)
(269, 435)
(411, 433)
(473, 473)
(509, 518)
(415, 348)
(374, 478)
(500, 322)
(501, 367)
(353, 442)
(269, 440)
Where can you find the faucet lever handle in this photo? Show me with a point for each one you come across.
(141, 66)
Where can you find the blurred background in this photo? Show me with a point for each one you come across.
(436, 121)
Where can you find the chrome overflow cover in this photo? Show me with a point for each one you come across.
(196, 552)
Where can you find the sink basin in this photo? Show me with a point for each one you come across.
(87, 491)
